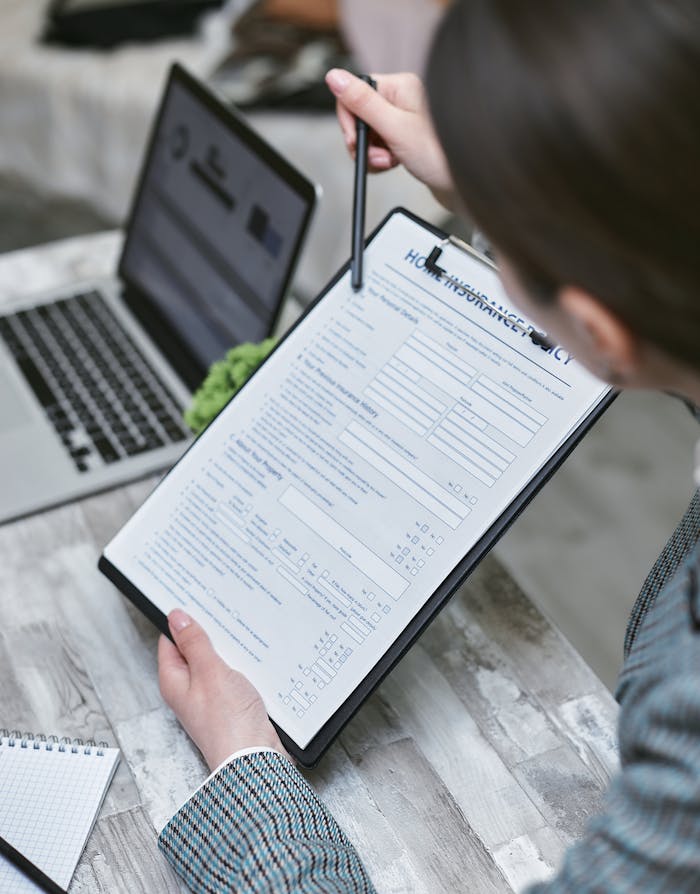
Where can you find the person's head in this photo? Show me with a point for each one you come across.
(572, 131)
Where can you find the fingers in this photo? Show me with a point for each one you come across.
(193, 643)
(381, 159)
(356, 98)
(347, 125)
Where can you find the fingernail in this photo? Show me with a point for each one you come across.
(337, 80)
(178, 620)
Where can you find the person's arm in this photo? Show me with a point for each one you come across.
(255, 825)
(401, 129)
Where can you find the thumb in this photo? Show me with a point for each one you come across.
(364, 101)
(173, 672)
(191, 640)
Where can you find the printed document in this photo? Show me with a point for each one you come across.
(318, 513)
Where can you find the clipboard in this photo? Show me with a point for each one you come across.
(308, 752)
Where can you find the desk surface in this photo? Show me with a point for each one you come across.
(472, 767)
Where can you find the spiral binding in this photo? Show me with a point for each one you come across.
(15, 739)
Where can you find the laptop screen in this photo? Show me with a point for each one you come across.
(216, 226)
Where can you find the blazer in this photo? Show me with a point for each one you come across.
(257, 826)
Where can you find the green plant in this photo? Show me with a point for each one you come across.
(223, 380)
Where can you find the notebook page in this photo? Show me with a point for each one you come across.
(49, 800)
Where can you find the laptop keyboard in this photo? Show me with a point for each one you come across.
(101, 395)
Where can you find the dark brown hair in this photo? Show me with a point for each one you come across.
(572, 130)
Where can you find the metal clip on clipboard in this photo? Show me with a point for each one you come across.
(432, 266)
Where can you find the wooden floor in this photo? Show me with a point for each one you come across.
(472, 767)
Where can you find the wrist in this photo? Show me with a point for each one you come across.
(221, 750)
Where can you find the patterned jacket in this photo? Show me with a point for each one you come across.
(257, 826)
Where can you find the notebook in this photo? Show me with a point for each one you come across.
(50, 794)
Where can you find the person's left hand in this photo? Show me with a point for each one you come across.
(220, 709)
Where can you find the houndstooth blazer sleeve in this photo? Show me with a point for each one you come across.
(257, 826)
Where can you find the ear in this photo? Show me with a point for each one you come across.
(610, 345)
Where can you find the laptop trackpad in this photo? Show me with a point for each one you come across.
(15, 407)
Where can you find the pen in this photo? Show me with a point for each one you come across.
(29, 869)
(360, 196)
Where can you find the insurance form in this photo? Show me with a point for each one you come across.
(319, 512)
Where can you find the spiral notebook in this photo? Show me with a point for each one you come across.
(50, 794)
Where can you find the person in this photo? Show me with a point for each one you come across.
(570, 133)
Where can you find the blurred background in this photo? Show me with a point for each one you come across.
(79, 84)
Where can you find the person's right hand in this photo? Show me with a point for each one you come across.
(401, 129)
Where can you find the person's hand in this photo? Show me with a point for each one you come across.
(219, 708)
(401, 129)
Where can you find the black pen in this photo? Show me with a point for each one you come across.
(360, 196)
(29, 869)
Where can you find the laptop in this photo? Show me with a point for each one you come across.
(94, 378)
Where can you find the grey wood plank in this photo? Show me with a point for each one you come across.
(24, 544)
(377, 840)
(62, 698)
(165, 763)
(435, 719)
(590, 725)
(487, 684)
(530, 858)
(376, 723)
(122, 857)
(548, 665)
(447, 853)
(566, 793)
(117, 642)
(16, 711)
(104, 514)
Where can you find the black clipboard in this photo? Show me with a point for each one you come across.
(309, 755)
